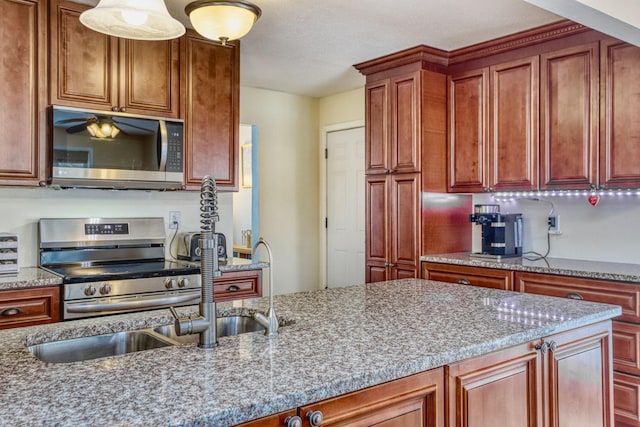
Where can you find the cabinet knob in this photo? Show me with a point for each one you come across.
(10, 311)
(574, 295)
(114, 108)
(552, 346)
(233, 288)
(294, 421)
(544, 346)
(315, 418)
(123, 109)
(463, 282)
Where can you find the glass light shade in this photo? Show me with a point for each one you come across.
(222, 20)
(139, 20)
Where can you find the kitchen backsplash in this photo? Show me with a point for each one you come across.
(22, 208)
(609, 231)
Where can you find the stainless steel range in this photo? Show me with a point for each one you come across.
(114, 265)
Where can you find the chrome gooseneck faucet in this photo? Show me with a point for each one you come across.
(205, 323)
(270, 322)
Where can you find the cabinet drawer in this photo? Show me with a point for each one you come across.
(626, 347)
(238, 285)
(465, 275)
(623, 294)
(26, 307)
(626, 403)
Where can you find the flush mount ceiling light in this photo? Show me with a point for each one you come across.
(139, 20)
(222, 20)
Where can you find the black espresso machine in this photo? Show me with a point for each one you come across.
(501, 233)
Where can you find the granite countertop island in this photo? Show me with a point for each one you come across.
(331, 342)
(599, 270)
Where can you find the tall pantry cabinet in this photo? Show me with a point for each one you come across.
(405, 155)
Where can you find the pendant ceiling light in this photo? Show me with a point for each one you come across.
(222, 20)
(139, 20)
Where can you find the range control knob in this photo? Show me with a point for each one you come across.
(90, 291)
(170, 283)
(105, 289)
(183, 283)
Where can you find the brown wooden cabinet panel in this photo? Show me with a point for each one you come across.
(417, 401)
(211, 99)
(626, 398)
(376, 221)
(569, 81)
(238, 285)
(468, 103)
(23, 86)
(579, 378)
(376, 272)
(500, 389)
(26, 307)
(277, 420)
(466, 275)
(513, 148)
(405, 221)
(626, 347)
(620, 103)
(406, 123)
(95, 71)
(377, 106)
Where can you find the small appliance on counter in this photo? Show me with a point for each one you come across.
(501, 234)
(189, 249)
(8, 253)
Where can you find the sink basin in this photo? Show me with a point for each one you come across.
(227, 326)
(86, 348)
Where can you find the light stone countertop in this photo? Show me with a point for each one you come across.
(333, 342)
(615, 271)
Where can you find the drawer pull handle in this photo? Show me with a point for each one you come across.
(10, 311)
(233, 288)
(463, 282)
(294, 421)
(315, 418)
(574, 295)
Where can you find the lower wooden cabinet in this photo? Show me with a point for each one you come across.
(465, 275)
(626, 396)
(413, 401)
(238, 285)
(27, 307)
(563, 380)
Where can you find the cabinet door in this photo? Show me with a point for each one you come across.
(23, 85)
(405, 128)
(405, 218)
(83, 62)
(465, 275)
(620, 101)
(626, 397)
(468, 101)
(416, 401)
(500, 389)
(150, 77)
(513, 148)
(579, 377)
(376, 272)
(376, 221)
(212, 89)
(569, 113)
(377, 108)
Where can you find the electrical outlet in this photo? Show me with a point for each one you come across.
(554, 224)
(174, 219)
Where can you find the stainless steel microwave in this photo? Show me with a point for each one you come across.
(104, 149)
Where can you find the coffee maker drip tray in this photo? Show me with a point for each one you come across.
(480, 255)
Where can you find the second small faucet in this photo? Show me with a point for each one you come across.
(270, 321)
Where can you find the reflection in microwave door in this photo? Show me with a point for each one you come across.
(78, 157)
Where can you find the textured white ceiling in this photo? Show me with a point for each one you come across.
(308, 47)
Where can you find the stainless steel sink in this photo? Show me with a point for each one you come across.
(227, 326)
(87, 348)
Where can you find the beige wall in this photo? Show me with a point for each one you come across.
(288, 187)
(341, 108)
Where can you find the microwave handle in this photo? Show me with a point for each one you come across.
(164, 144)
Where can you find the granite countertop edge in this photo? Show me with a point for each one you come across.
(617, 272)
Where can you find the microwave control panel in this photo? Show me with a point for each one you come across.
(175, 140)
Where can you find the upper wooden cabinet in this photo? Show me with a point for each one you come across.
(392, 123)
(23, 76)
(569, 114)
(96, 71)
(493, 127)
(620, 103)
(211, 96)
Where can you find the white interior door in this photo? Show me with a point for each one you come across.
(345, 207)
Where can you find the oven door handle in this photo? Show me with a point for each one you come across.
(130, 305)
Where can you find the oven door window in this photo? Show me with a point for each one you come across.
(106, 142)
